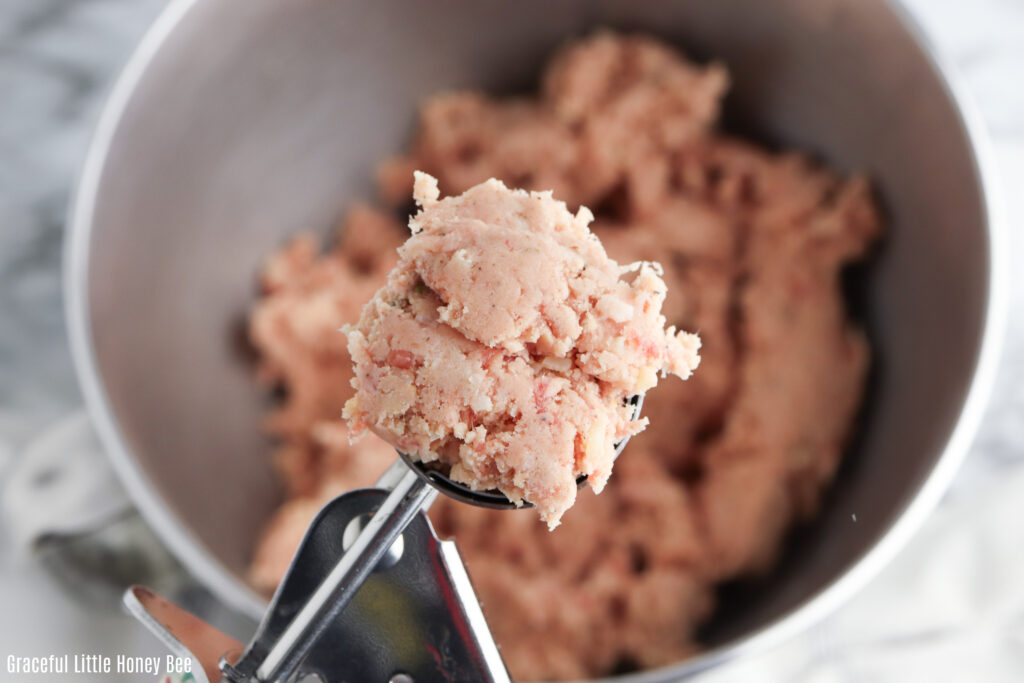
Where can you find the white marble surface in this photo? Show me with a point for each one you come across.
(57, 59)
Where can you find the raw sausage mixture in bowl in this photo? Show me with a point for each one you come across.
(753, 243)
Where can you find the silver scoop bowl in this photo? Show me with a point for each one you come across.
(492, 499)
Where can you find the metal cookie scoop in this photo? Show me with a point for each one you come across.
(371, 595)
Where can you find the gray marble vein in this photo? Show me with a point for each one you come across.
(57, 59)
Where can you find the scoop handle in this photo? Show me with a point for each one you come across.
(410, 495)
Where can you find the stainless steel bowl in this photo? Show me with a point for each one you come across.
(239, 123)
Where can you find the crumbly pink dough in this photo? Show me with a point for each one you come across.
(506, 345)
(733, 457)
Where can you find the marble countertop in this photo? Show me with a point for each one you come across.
(57, 61)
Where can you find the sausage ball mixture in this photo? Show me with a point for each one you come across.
(506, 346)
(753, 243)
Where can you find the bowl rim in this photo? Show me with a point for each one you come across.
(235, 594)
